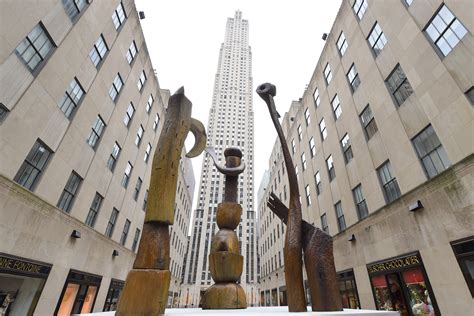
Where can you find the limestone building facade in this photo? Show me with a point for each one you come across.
(382, 143)
(80, 109)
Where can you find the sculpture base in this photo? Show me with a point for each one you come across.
(224, 296)
(146, 292)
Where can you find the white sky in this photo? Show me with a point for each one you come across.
(184, 37)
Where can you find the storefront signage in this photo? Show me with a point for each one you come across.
(11, 264)
(394, 264)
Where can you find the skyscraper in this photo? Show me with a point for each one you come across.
(230, 125)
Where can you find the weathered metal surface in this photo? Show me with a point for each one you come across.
(319, 261)
(225, 261)
(293, 248)
(152, 251)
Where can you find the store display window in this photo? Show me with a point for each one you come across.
(113, 294)
(282, 296)
(348, 289)
(400, 284)
(79, 293)
(464, 251)
(21, 283)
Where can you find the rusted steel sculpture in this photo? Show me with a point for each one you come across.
(146, 289)
(319, 261)
(292, 251)
(225, 261)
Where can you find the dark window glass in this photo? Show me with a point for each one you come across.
(3, 111)
(71, 98)
(346, 148)
(293, 146)
(99, 50)
(300, 132)
(145, 200)
(111, 301)
(147, 152)
(138, 138)
(324, 223)
(361, 205)
(377, 39)
(138, 186)
(464, 251)
(119, 16)
(308, 195)
(74, 7)
(469, 95)
(136, 239)
(353, 77)
(33, 166)
(322, 129)
(348, 290)
(431, 152)
(126, 175)
(35, 48)
(116, 87)
(113, 156)
(341, 222)
(398, 85)
(330, 165)
(126, 228)
(368, 122)
(389, 182)
(69, 193)
(303, 161)
(94, 210)
(317, 179)
(129, 114)
(111, 224)
(96, 133)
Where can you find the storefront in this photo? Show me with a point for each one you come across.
(21, 283)
(282, 298)
(115, 288)
(348, 289)
(79, 293)
(401, 284)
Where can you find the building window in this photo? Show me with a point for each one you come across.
(145, 200)
(94, 210)
(111, 301)
(74, 7)
(129, 114)
(398, 85)
(139, 137)
(408, 2)
(336, 107)
(319, 186)
(327, 74)
(126, 175)
(156, 122)
(126, 228)
(35, 163)
(147, 152)
(360, 6)
(346, 148)
(111, 224)
(341, 222)
(431, 152)
(132, 52)
(300, 132)
(377, 39)
(79, 293)
(149, 103)
(469, 94)
(303, 161)
(324, 223)
(136, 239)
(35, 48)
(307, 117)
(69, 193)
(348, 290)
(361, 205)
(99, 50)
(330, 165)
(113, 156)
(368, 122)
(119, 16)
(389, 182)
(312, 147)
(317, 100)
(341, 44)
(322, 129)
(3, 111)
(138, 186)
(141, 81)
(71, 98)
(353, 78)
(445, 30)
(116, 87)
(308, 195)
(464, 251)
(96, 133)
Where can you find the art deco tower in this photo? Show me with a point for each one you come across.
(230, 125)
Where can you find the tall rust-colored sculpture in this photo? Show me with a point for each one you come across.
(317, 245)
(146, 289)
(292, 251)
(225, 261)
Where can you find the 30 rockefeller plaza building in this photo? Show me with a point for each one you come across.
(230, 125)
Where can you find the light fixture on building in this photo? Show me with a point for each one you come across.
(415, 206)
(115, 253)
(141, 14)
(325, 36)
(352, 237)
(76, 234)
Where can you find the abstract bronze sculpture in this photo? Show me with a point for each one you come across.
(225, 261)
(300, 235)
(146, 289)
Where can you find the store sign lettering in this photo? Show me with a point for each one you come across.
(11, 264)
(394, 264)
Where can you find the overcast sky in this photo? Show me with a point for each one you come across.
(184, 37)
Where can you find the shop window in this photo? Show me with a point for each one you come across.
(348, 290)
(113, 294)
(79, 294)
(282, 296)
(464, 251)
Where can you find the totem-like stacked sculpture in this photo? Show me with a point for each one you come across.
(225, 261)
